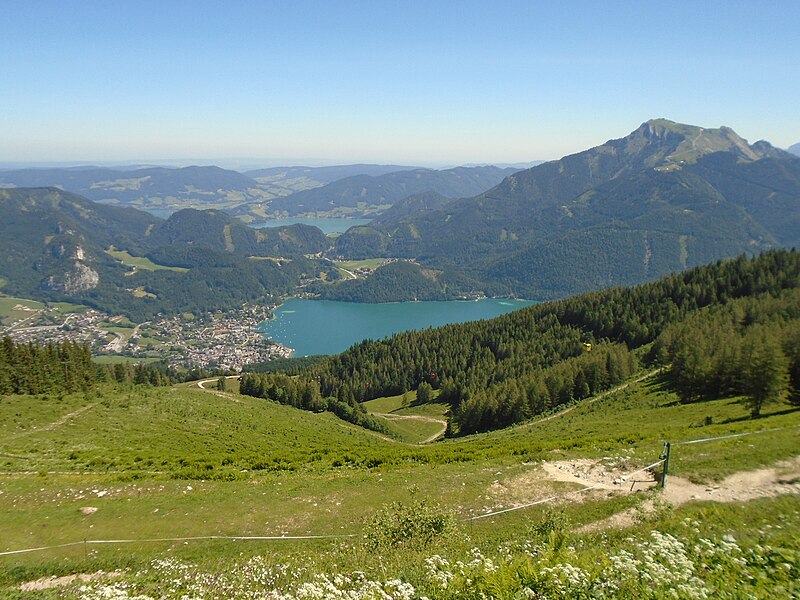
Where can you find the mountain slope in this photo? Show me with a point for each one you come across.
(665, 197)
(219, 231)
(54, 241)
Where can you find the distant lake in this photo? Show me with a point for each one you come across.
(328, 226)
(324, 327)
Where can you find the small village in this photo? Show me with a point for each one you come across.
(226, 340)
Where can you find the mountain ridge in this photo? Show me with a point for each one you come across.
(665, 197)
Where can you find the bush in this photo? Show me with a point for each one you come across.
(415, 524)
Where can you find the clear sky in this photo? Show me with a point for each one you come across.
(411, 82)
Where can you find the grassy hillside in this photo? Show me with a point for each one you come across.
(183, 462)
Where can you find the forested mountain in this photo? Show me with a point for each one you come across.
(219, 231)
(413, 205)
(498, 372)
(396, 282)
(56, 246)
(370, 195)
(53, 242)
(664, 198)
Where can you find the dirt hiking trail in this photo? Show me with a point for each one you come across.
(780, 479)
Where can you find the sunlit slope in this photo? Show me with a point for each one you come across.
(179, 431)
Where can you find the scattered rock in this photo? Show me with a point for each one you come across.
(88, 510)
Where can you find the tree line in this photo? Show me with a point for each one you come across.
(749, 347)
(304, 393)
(67, 367)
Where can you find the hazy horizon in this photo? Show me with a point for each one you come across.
(235, 163)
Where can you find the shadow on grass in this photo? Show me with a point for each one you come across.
(762, 417)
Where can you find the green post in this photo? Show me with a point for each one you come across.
(665, 457)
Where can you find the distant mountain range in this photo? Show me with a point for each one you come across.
(794, 149)
(666, 197)
(319, 176)
(163, 190)
(371, 195)
(151, 188)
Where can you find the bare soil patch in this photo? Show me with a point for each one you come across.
(48, 583)
(783, 478)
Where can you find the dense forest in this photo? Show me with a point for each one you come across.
(35, 369)
(67, 367)
(494, 373)
(748, 347)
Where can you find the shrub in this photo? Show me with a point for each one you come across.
(414, 524)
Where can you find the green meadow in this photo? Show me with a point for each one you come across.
(140, 262)
(144, 464)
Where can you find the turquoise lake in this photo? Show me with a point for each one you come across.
(323, 327)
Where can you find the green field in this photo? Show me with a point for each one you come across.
(10, 311)
(409, 422)
(140, 262)
(13, 310)
(182, 462)
(368, 263)
(113, 359)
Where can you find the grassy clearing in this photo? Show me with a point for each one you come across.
(409, 422)
(368, 263)
(113, 359)
(17, 309)
(398, 405)
(412, 430)
(140, 262)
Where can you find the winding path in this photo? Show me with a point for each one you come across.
(429, 439)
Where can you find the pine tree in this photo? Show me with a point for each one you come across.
(764, 369)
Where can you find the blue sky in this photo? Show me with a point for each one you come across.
(427, 82)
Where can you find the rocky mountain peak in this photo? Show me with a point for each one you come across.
(668, 144)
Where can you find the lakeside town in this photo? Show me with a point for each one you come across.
(225, 340)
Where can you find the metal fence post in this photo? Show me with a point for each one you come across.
(665, 457)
